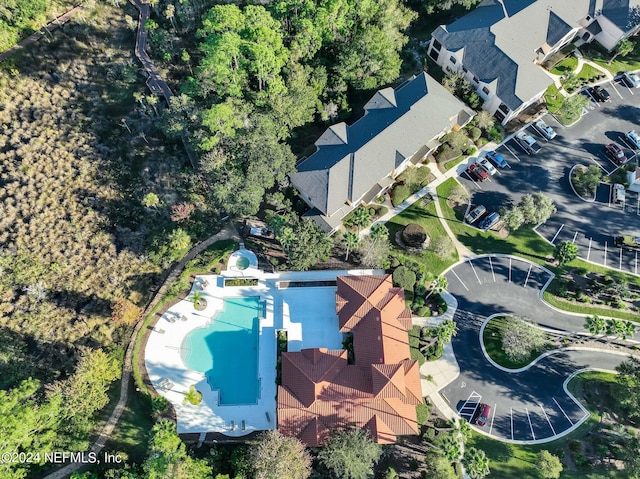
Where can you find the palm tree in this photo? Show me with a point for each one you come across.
(451, 448)
(477, 463)
(615, 327)
(628, 330)
(595, 324)
(350, 241)
(446, 331)
(197, 297)
(360, 217)
(378, 232)
(438, 285)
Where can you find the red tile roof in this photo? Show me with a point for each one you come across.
(321, 392)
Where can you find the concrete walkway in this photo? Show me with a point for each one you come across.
(434, 375)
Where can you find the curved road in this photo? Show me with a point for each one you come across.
(531, 405)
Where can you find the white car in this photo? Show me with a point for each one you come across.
(545, 130)
(631, 80)
(486, 164)
(634, 139)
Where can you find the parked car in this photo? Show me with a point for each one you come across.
(475, 213)
(634, 139)
(487, 166)
(490, 221)
(527, 143)
(617, 193)
(476, 172)
(497, 159)
(631, 79)
(615, 153)
(599, 94)
(483, 414)
(545, 130)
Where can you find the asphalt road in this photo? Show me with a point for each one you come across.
(530, 405)
(589, 225)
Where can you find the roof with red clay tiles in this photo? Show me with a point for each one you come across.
(321, 392)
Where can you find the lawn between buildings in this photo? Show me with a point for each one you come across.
(528, 244)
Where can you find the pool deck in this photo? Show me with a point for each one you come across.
(306, 313)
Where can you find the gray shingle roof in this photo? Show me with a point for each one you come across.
(499, 42)
(395, 125)
(625, 14)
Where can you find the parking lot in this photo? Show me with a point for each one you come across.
(590, 225)
(529, 405)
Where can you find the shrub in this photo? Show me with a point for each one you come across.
(414, 235)
(404, 277)
(495, 134)
(424, 311)
(447, 153)
(399, 194)
(475, 133)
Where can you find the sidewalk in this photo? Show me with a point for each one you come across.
(434, 375)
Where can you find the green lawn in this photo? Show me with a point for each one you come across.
(554, 99)
(428, 219)
(588, 72)
(567, 65)
(492, 339)
(453, 163)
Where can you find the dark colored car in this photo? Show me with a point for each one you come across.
(483, 415)
(615, 153)
(475, 213)
(497, 159)
(475, 171)
(599, 94)
(489, 221)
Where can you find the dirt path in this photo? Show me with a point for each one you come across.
(227, 232)
(34, 37)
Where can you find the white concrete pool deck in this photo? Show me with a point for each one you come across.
(306, 313)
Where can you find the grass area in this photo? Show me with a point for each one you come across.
(567, 65)
(453, 163)
(525, 242)
(601, 57)
(492, 339)
(427, 218)
(574, 307)
(582, 383)
(554, 99)
(588, 72)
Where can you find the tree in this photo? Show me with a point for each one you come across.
(459, 194)
(350, 454)
(374, 253)
(350, 241)
(548, 465)
(179, 243)
(309, 245)
(124, 311)
(457, 140)
(274, 456)
(536, 208)
(222, 119)
(181, 211)
(450, 446)
(565, 252)
(513, 217)
(438, 466)
(404, 277)
(520, 338)
(595, 324)
(150, 200)
(446, 330)
(359, 217)
(443, 247)
(484, 120)
(438, 285)
(624, 48)
(629, 378)
(572, 107)
(587, 180)
(196, 298)
(476, 463)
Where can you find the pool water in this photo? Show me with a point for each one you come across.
(226, 351)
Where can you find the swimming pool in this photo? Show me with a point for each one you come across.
(226, 351)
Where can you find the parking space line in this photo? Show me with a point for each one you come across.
(557, 233)
(474, 181)
(456, 275)
(635, 270)
(605, 254)
(528, 273)
(589, 250)
(601, 167)
(565, 414)
(548, 420)
(512, 424)
(574, 238)
(493, 417)
(638, 207)
(492, 273)
(614, 87)
(530, 425)
(474, 272)
(512, 153)
(620, 265)
(509, 269)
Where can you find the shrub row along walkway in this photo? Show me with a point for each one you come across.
(228, 232)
